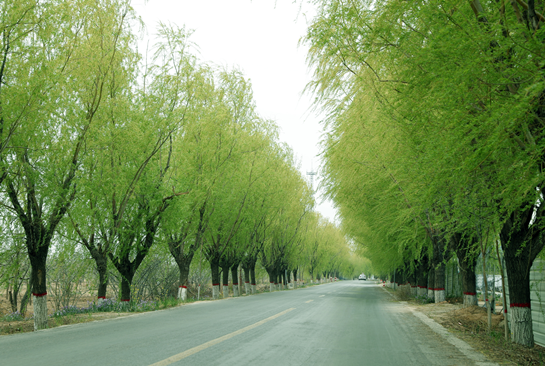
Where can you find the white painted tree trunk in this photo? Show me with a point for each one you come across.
(430, 293)
(184, 293)
(235, 289)
(253, 286)
(440, 296)
(247, 288)
(421, 291)
(278, 287)
(413, 291)
(295, 284)
(272, 286)
(40, 311)
(100, 300)
(225, 291)
(469, 300)
(215, 292)
(521, 326)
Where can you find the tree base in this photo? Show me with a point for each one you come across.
(440, 296)
(421, 291)
(521, 326)
(235, 289)
(225, 291)
(40, 311)
(215, 292)
(469, 300)
(182, 293)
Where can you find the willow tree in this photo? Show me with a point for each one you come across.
(68, 58)
(464, 86)
(296, 202)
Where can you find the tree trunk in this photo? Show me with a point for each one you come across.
(295, 278)
(431, 283)
(184, 262)
(24, 300)
(469, 281)
(38, 261)
(234, 278)
(422, 276)
(272, 278)
(214, 269)
(521, 243)
(101, 262)
(225, 272)
(439, 290)
(439, 248)
(247, 288)
(253, 283)
(467, 260)
(412, 282)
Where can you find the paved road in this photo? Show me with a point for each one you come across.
(343, 323)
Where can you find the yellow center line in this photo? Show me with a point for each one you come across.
(306, 302)
(192, 351)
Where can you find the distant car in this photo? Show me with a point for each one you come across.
(362, 277)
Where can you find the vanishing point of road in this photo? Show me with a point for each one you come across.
(342, 323)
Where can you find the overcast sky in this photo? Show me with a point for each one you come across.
(260, 38)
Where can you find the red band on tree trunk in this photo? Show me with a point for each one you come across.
(125, 300)
(247, 282)
(422, 286)
(253, 284)
(505, 311)
(470, 293)
(184, 286)
(517, 305)
(413, 286)
(438, 289)
(225, 284)
(102, 297)
(215, 284)
(235, 284)
(39, 295)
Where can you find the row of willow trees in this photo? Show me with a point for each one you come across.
(117, 152)
(435, 125)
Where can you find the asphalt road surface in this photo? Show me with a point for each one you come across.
(342, 323)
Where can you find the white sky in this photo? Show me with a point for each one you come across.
(260, 38)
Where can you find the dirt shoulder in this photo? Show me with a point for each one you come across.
(470, 325)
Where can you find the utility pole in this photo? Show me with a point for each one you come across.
(311, 174)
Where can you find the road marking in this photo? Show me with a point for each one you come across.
(321, 295)
(306, 302)
(192, 351)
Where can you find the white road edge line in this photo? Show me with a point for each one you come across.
(192, 351)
